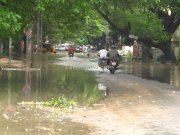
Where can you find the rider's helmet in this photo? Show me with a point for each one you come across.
(113, 47)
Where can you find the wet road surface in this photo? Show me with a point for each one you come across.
(134, 106)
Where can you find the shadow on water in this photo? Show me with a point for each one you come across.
(163, 73)
(52, 81)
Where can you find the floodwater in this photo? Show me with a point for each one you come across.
(164, 73)
(21, 88)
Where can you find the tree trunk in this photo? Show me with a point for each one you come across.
(146, 53)
(164, 46)
(167, 49)
(1, 46)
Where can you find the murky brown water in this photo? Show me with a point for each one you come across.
(155, 71)
(19, 85)
(35, 122)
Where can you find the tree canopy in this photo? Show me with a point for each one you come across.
(10, 22)
(77, 20)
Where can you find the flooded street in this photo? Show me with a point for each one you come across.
(89, 67)
(28, 121)
(147, 103)
(142, 107)
(164, 73)
(142, 99)
(22, 89)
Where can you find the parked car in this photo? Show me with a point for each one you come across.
(62, 48)
(78, 49)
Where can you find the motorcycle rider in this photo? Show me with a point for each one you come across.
(88, 51)
(102, 55)
(113, 54)
(71, 51)
(120, 52)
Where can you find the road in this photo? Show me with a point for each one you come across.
(133, 106)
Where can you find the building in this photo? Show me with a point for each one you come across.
(176, 42)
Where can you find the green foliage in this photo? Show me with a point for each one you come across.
(61, 102)
(79, 19)
(143, 24)
(72, 21)
(148, 25)
(9, 23)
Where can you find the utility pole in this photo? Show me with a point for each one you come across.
(107, 37)
(28, 34)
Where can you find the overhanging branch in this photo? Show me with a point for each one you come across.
(124, 31)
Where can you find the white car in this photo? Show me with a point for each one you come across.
(62, 48)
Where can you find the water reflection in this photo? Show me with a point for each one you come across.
(29, 84)
(155, 71)
(9, 110)
(76, 84)
(175, 76)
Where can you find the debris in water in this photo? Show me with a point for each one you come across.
(102, 87)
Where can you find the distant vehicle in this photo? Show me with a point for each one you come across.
(48, 48)
(78, 49)
(71, 51)
(102, 63)
(63, 48)
(113, 66)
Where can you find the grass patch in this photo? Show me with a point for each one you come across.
(61, 102)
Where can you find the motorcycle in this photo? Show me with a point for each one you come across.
(70, 51)
(71, 54)
(102, 63)
(113, 65)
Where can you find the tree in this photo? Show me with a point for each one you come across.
(169, 13)
(73, 20)
(80, 20)
(149, 20)
(9, 21)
